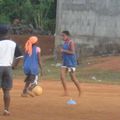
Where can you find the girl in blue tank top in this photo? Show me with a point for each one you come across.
(31, 64)
(69, 62)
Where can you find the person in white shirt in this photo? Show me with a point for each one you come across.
(10, 55)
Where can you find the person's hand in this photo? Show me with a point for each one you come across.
(62, 50)
(59, 49)
(13, 67)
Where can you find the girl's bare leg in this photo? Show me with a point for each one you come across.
(63, 77)
(76, 82)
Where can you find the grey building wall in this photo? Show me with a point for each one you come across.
(94, 24)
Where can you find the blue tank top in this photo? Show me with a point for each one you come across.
(30, 65)
(69, 60)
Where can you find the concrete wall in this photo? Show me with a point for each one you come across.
(94, 24)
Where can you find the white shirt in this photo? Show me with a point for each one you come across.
(7, 52)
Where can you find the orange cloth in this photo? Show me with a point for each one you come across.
(28, 46)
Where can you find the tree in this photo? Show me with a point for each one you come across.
(35, 12)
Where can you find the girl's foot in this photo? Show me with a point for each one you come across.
(24, 95)
(6, 113)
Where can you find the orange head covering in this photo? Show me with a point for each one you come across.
(28, 46)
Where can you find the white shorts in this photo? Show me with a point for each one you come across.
(70, 69)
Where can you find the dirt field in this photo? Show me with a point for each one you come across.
(97, 102)
(105, 63)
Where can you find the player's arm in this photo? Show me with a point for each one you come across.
(39, 60)
(71, 49)
(18, 56)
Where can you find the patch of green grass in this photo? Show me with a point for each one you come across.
(98, 76)
(51, 71)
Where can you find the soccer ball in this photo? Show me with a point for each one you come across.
(37, 90)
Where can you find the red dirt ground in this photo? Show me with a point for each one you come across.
(97, 102)
(105, 63)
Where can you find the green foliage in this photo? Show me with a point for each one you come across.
(4, 19)
(41, 17)
(39, 13)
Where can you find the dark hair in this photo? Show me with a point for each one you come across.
(66, 33)
(3, 29)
